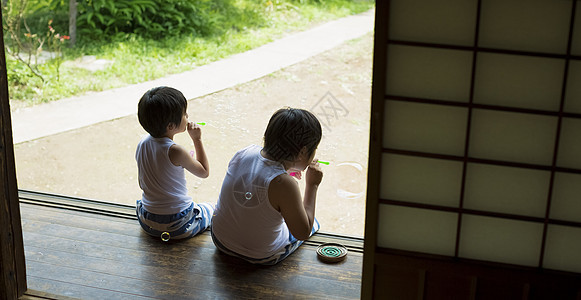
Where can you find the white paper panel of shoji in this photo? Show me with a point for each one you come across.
(500, 240)
(420, 180)
(563, 248)
(506, 189)
(444, 22)
(425, 127)
(528, 25)
(519, 81)
(431, 73)
(573, 94)
(576, 45)
(566, 201)
(514, 137)
(570, 144)
(416, 229)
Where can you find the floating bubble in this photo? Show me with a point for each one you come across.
(355, 165)
(348, 195)
(352, 178)
(165, 236)
(248, 195)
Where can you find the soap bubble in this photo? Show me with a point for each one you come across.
(165, 236)
(350, 175)
(248, 195)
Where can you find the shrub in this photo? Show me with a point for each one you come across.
(102, 19)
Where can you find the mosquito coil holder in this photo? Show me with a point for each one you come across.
(331, 252)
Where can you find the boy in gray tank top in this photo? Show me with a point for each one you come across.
(261, 215)
(165, 209)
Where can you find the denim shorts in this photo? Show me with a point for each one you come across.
(292, 245)
(185, 224)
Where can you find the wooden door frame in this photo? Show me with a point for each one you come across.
(375, 146)
(397, 274)
(12, 265)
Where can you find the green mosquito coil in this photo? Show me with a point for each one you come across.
(331, 252)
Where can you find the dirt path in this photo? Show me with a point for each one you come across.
(98, 161)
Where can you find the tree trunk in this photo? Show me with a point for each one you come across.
(72, 22)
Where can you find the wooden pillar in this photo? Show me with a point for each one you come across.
(375, 146)
(12, 267)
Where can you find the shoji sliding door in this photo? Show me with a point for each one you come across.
(476, 190)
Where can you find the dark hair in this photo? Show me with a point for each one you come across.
(288, 131)
(159, 107)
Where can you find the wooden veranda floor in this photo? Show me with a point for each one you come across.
(73, 253)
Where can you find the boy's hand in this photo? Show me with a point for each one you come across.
(194, 131)
(314, 174)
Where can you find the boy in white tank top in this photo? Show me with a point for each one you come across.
(261, 216)
(165, 209)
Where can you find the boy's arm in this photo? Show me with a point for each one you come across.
(201, 155)
(314, 176)
(179, 156)
(299, 214)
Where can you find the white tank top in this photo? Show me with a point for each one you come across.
(244, 220)
(163, 183)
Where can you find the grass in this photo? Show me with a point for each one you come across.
(137, 59)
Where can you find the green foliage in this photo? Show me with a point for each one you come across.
(39, 12)
(105, 19)
(25, 46)
(18, 73)
(101, 18)
(149, 39)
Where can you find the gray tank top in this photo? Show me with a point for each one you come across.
(163, 184)
(244, 221)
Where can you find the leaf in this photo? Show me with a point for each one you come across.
(101, 18)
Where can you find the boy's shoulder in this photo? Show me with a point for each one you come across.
(148, 138)
(244, 153)
(249, 148)
(149, 142)
(145, 137)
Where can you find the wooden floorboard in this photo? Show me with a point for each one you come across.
(89, 256)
